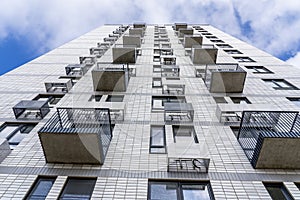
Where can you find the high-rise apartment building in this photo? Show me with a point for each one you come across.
(175, 111)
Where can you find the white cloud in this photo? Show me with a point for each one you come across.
(51, 23)
(295, 60)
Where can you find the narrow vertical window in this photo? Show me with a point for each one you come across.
(157, 139)
(278, 191)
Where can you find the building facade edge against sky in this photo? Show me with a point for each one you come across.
(171, 106)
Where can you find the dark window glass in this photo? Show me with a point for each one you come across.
(232, 51)
(280, 84)
(224, 45)
(115, 98)
(220, 100)
(15, 132)
(41, 188)
(179, 191)
(243, 59)
(96, 98)
(157, 139)
(240, 100)
(77, 188)
(259, 70)
(277, 191)
(298, 185)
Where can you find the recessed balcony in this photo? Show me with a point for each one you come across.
(174, 87)
(177, 26)
(111, 78)
(204, 54)
(170, 70)
(178, 112)
(76, 136)
(225, 78)
(271, 139)
(89, 60)
(97, 51)
(137, 31)
(185, 31)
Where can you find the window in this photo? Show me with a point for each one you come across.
(157, 139)
(280, 84)
(235, 130)
(295, 100)
(211, 37)
(243, 59)
(157, 68)
(240, 100)
(205, 33)
(52, 99)
(78, 188)
(114, 98)
(259, 70)
(298, 185)
(217, 41)
(224, 45)
(15, 132)
(220, 100)
(159, 101)
(184, 133)
(278, 191)
(41, 188)
(156, 83)
(233, 51)
(179, 190)
(96, 98)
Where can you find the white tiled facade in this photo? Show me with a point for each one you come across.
(128, 165)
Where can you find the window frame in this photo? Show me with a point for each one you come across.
(35, 185)
(257, 69)
(190, 128)
(179, 189)
(152, 146)
(110, 98)
(279, 185)
(232, 51)
(243, 59)
(63, 191)
(278, 86)
(240, 99)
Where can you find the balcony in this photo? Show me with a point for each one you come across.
(177, 26)
(185, 31)
(111, 40)
(271, 139)
(168, 59)
(132, 40)
(170, 71)
(56, 85)
(178, 112)
(88, 60)
(76, 70)
(225, 78)
(137, 31)
(31, 109)
(173, 87)
(204, 54)
(192, 40)
(111, 78)
(140, 25)
(76, 136)
(97, 51)
(104, 45)
(124, 54)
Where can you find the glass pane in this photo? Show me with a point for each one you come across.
(163, 191)
(17, 137)
(41, 188)
(277, 191)
(157, 136)
(283, 84)
(9, 129)
(78, 189)
(191, 192)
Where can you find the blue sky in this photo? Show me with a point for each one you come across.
(30, 28)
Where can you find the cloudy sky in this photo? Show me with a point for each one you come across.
(32, 27)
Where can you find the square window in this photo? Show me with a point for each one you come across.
(280, 84)
(114, 98)
(41, 188)
(78, 188)
(240, 100)
(184, 133)
(259, 70)
(278, 191)
(156, 83)
(157, 139)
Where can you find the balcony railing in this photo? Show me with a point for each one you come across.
(77, 135)
(271, 139)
